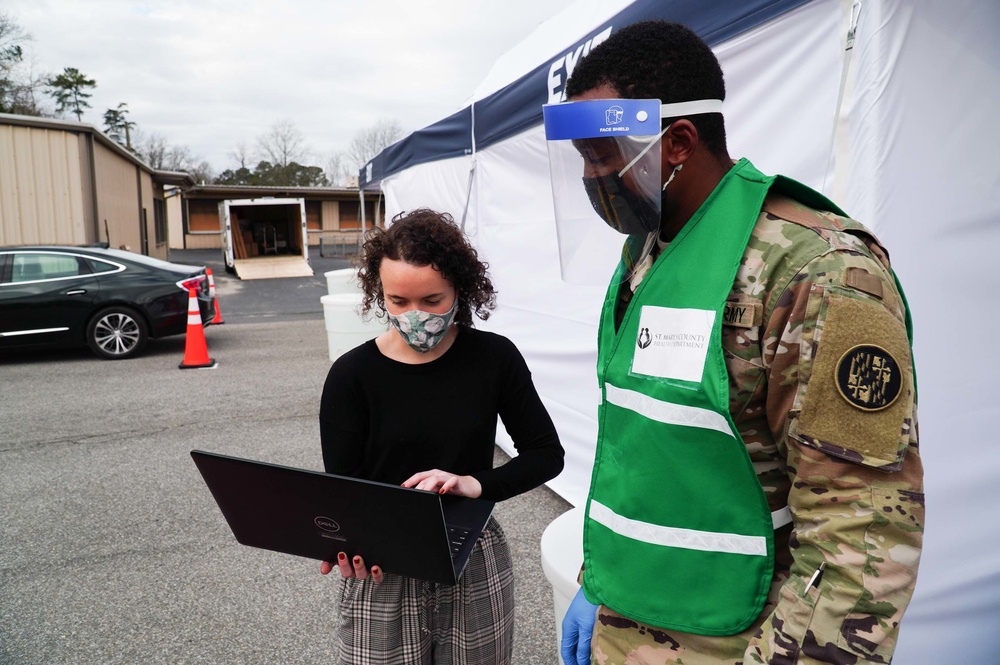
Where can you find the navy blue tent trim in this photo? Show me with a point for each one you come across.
(451, 137)
(518, 106)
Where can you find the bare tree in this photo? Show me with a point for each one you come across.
(11, 37)
(371, 141)
(283, 144)
(180, 158)
(26, 92)
(336, 169)
(242, 155)
(19, 86)
(202, 172)
(11, 51)
(152, 148)
(160, 155)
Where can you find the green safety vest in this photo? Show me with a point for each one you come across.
(678, 531)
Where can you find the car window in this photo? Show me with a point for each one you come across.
(34, 267)
(98, 266)
(151, 261)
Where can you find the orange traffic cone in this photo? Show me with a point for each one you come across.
(211, 291)
(195, 348)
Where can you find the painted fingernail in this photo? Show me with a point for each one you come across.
(341, 557)
(357, 561)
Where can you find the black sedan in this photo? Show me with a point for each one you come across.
(108, 299)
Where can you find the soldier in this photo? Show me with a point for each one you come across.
(757, 493)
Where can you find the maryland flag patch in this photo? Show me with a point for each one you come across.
(868, 377)
(859, 396)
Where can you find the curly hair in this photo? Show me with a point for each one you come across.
(425, 237)
(658, 60)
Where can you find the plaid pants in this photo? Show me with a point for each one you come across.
(404, 621)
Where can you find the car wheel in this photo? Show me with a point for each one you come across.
(117, 332)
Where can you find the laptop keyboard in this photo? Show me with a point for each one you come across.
(457, 537)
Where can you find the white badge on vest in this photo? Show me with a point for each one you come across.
(672, 343)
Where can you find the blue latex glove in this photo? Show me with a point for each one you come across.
(577, 630)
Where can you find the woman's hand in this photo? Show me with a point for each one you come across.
(355, 568)
(443, 482)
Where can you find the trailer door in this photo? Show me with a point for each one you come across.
(305, 231)
(226, 232)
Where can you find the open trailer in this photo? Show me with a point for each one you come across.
(265, 237)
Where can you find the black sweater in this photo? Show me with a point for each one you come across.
(384, 420)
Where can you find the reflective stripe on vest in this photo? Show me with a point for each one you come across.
(677, 414)
(665, 412)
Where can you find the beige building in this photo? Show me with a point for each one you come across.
(67, 183)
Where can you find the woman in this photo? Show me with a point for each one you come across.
(418, 406)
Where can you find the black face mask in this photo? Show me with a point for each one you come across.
(621, 208)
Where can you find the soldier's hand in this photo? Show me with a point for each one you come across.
(577, 630)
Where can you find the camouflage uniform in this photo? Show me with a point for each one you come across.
(811, 288)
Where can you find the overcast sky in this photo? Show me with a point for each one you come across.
(208, 74)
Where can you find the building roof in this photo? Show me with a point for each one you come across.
(255, 191)
(164, 177)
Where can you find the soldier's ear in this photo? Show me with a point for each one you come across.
(678, 144)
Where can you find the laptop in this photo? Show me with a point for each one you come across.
(311, 514)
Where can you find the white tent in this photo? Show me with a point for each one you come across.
(913, 157)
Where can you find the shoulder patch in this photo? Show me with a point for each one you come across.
(868, 377)
(859, 397)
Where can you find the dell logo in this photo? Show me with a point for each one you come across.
(326, 524)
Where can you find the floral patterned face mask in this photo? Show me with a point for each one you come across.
(423, 330)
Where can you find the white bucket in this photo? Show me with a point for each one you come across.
(344, 280)
(345, 329)
(562, 556)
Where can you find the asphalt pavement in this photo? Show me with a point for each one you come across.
(285, 299)
(112, 550)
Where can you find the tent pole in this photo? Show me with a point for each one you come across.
(361, 193)
(851, 30)
(472, 168)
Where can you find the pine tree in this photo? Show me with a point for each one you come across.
(118, 126)
(69, 89)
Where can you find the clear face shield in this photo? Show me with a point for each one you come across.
(604, 161)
